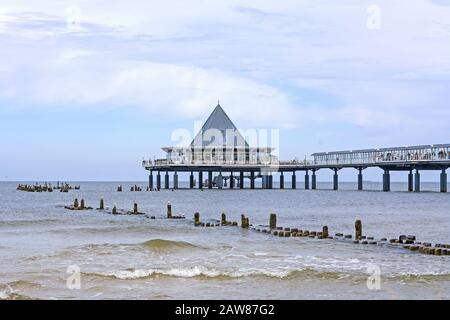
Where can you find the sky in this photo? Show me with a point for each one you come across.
(90, 88)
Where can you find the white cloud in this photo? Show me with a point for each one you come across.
(181, 56)
(88, 79)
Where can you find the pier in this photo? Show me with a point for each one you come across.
(224, 162)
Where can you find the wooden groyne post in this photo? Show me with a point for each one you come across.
(197, 218)
(273, 221)
(169, 210)
(324, 232)
(224, 219)
(358, 230)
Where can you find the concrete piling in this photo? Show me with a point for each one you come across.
(175, 180)
(314, 180)
(443, 181)
(410, 181)
(294, 180)
(307, 180)
(335, 179)
(417, 181)
(386, 181)
(358, 230)
(360, 179)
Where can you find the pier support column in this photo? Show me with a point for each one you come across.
(314, 180)
(282, 180)
(231, 180)
(264, 182)
(200, 180)
(158, 181)
(410, 181)
(175, 180)
(210, 179)
(241, 180)
(191, 180)
(150, 180)
(443, 181)
(252, 179)
(307, 180)
(270, 181)
(220, 181)
(417, 178)
(166, 180)
(386, 181)
(360, 180)
(294, 180)
(335, 180)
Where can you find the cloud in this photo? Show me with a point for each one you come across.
(262, 60)
(87, 79)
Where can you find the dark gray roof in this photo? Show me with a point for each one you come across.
(219, 130)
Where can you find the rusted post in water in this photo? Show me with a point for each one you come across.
(169, 210)
(358, 230)
(273, 221)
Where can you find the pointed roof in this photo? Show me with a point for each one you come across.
(219, 122)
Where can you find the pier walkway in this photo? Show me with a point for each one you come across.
(212, 174)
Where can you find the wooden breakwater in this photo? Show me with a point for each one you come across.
(47, 187)
(405, 242)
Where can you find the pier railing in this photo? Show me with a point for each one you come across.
(438, 153)
(369, 157)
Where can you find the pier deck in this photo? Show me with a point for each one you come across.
(416, 158)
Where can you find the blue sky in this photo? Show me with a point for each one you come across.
(88, 88)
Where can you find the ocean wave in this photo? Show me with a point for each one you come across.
(307, 273)
(168, 245)
(8, 293)
(211, 273)
(25, 222)
(426, 276)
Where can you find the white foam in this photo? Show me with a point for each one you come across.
(195, 272)
(4, 295)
